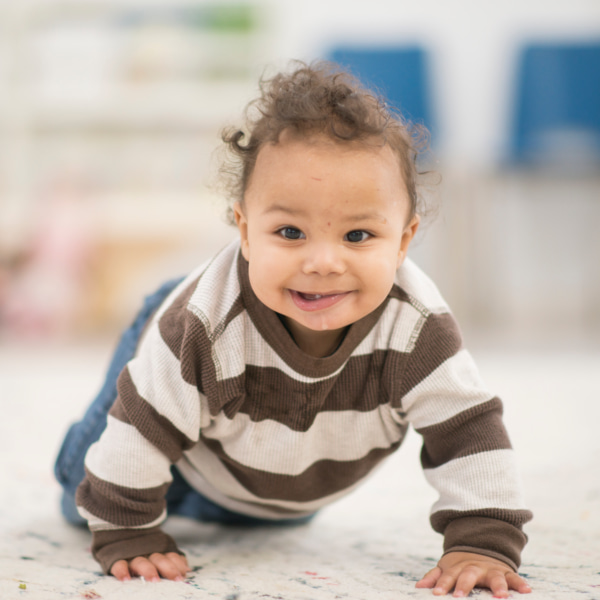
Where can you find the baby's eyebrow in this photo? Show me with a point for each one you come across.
(371, 216)
(282, 208)
(368, 216)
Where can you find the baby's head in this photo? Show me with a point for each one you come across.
(325, 202)
(320, 100)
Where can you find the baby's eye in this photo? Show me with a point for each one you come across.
(357, 236)
(291, 233)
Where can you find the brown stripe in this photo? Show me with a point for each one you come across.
(516, 518)
(493, 531)
(322, 478)
(477, 429)
(118, 412)
(131, 408)
(197, 354)
(279, 511)
(109, 546)
(119, 505)
(186, 336)
(172, 323)
(268, 393)
(399, 294)
(440, 339)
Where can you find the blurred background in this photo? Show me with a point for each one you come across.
(110, 112)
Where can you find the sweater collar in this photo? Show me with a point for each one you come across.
(270, 327)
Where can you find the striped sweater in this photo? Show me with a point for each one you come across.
(219, 388)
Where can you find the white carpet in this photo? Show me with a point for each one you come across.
(374, 544)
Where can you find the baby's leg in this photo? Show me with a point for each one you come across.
(69, 467)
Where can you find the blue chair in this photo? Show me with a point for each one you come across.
(557, 108)
(400, 74)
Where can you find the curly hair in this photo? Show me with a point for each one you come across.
(319, 99)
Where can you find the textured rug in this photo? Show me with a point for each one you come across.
(374, 544)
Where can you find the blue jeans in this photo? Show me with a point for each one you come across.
(181, 498)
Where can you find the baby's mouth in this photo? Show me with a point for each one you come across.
(312, 296)
(310, 302)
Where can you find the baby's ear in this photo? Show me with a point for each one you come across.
(407, 236)
(242, 224)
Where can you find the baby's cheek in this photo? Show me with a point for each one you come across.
(378, 285)
(380, 273)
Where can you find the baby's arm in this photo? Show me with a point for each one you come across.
(467, 457)
(155, 418)
(464, 570)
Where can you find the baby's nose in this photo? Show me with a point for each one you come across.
(324, 259)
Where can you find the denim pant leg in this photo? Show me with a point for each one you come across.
(69, 469)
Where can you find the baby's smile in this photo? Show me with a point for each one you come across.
(311, 301)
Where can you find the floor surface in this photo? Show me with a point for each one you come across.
(376, 543)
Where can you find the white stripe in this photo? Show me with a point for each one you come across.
(452, 388)
(156, 374)
(232, 360)
(96, 524)
(203, 470)
(123, 456)
(220, 288)
(179, 290)
(393, 331)
(273, 447)
(419, 286)
(484, 480)
(171, 298)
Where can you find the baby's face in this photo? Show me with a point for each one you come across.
(324, 227)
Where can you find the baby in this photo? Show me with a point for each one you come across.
(273, 379)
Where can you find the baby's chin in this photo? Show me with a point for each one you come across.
(327, 325)
(320, 324)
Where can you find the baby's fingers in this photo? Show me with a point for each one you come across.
(517, 583)
(180, 561)
(498, 584)
(170, 566)
(430, 578)
(501, 583)
(142, 567)
(445, 583)
(466, 581)
(121, 570)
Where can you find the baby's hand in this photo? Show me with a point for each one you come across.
(463, 571)
(170, 566)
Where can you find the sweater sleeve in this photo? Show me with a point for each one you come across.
(467, 455)
(155, 418)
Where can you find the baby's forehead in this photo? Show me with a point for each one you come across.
(319, 175)
(296, 156)
(324, 138)
(292, 146)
